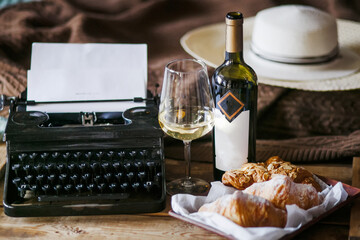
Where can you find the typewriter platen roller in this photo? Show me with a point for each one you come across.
(84, 163)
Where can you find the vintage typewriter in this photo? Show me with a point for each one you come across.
(83, 163)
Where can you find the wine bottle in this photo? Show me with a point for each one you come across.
(235, 93)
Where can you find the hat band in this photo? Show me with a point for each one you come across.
(292, 60)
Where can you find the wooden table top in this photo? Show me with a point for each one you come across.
(159, 225)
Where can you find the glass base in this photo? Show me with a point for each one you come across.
(194, 186)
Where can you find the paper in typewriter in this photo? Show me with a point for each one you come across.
(73, 72)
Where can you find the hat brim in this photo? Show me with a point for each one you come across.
(208, 44)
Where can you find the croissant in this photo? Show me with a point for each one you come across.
(247, 210)
(246, 176)
(251, 173)
(282, 191)
(275, 165)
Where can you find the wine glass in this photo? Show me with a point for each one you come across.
(186, 113)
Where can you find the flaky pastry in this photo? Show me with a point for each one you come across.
(247, 210)
(251, 173)
(282, 191)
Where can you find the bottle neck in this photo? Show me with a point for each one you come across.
(234, 43)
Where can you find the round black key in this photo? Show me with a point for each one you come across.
(158, 177)
(100, 155)
(121, 154)
(86, 178)
(51, 179)
(22, 190)
(80, 188)
(113, 187)
(136, 186)
(46, 188)
(98, 179)
(74, 178)
(130, 176)
(29, 178)
(95, 166)
(69, 188)
(66, 155)
(63, 178)
(40, 179)
(139, 165)
(55, 155)
(88, 155)
(119, 176)
(110, 154)
(117, 166)
(77, 155)
(132, 154)
(149, 185)
(127, 166)
(144, 154)
(44, 155)
(91, 188)
(105, 167)
(16, 168)
(125, 187)
(50, 167)
(27, 169)
(102, 187)
(83, 166)
(72, 167)
(108, 177)
(58, 189)
(61, 167)
(17, 181)
(35, 188)
(22, 156)
(32, 156)
(142, 176)
(39, 168)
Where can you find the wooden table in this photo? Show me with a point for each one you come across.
(159, 225)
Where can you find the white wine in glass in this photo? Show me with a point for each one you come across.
(186, 113)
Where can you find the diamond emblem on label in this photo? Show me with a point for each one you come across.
(230, 106)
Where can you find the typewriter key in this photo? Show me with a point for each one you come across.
(69, 188)
(16, 167)
(108, 177)
(29, 178)
(22, 156)
(80, 188)
(113, 187)
(58, 189)
(63, 178)
(40, 179)
(16, 181)
(91, 188)
(119, 176)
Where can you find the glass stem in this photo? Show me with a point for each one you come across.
(187, 155)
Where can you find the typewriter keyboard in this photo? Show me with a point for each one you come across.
(87, 175)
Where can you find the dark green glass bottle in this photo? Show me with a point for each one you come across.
(235, 93)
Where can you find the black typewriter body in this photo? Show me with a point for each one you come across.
(64, 164)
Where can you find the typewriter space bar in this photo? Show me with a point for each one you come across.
(66, 198)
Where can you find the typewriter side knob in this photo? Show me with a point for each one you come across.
(29, 118)
(139, 113)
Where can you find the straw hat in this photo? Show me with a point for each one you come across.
(290, 46)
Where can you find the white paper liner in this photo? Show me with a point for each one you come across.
(187, 205)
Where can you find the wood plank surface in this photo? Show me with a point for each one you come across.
(157, 225)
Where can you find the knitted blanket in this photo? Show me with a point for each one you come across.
(299, 126)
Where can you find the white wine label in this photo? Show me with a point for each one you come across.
(230, 106)
(231, 140)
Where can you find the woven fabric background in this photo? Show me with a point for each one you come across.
(297, 125)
